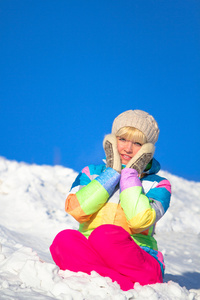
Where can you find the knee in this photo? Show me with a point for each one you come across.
(109, 230)
(58, 241)
(107, 234)
(61, 236)
(64, 238)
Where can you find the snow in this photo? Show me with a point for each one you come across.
(32, 202)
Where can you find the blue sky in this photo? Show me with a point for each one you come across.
(68, 68)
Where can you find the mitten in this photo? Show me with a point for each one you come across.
(112, 155)
(142, 158)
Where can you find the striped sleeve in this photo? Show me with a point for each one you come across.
(139, 213)
(160, 197)
(83, 202)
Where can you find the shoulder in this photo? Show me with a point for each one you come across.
(152, 175)
(93, 170)
(154, 183)
(153, 178)
(87, 174)
(157, 188)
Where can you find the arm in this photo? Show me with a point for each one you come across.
(160, 197)
(88, 196)
(139, 213)
(142, 210)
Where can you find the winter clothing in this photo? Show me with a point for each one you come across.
(112, 155)
(102, 196)
(138, 162)
(110, 252)
(117, 212)
(140, 120)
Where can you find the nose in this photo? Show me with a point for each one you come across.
(128, 147)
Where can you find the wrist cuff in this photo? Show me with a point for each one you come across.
(129, 178)
(109, 179)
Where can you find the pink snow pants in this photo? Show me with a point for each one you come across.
(110, 251)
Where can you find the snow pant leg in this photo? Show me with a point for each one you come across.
(122, 254)
(71, 250)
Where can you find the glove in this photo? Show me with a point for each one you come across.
(142, 158)
(112, 155)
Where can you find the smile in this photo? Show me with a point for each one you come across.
(126, 157)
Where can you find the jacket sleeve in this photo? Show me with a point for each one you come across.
(160, 196)
(141, 210)
(88, 196)
(139, 213)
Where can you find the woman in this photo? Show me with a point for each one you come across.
(117, 205)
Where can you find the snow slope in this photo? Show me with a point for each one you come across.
(32, 212)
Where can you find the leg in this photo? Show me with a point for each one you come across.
(70, 250)
(123, 255)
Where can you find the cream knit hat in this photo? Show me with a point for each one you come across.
(140, 120)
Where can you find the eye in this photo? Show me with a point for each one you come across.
(138, 144)
(122, 139)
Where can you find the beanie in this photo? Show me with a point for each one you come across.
(140, 120)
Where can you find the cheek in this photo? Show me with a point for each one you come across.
(119, 146)
(136, 149)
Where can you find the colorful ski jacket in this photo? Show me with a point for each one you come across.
(100, 195)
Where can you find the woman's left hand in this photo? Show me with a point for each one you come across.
(142, 158)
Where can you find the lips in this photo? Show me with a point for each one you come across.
(125, 157)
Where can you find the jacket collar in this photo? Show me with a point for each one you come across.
(153, 167)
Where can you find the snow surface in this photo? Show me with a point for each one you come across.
(32, 212)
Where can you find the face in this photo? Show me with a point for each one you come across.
(127, 149)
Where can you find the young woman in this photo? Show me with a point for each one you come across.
(118, 205)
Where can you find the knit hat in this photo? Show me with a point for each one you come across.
(140, 120)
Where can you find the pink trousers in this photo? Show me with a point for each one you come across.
(110, 251)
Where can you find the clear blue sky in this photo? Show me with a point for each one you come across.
(69, 67)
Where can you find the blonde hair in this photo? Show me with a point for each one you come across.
(132, 134)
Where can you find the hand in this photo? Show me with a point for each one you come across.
(142, 158)
(112, 155)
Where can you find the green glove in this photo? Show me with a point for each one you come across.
(112, 155)
(142, 158)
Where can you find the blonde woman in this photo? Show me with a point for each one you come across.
(118, 204)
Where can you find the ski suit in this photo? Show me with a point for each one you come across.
(117, 215)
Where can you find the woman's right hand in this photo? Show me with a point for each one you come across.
(112, 155)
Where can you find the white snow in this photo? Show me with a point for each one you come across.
(32, 212)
